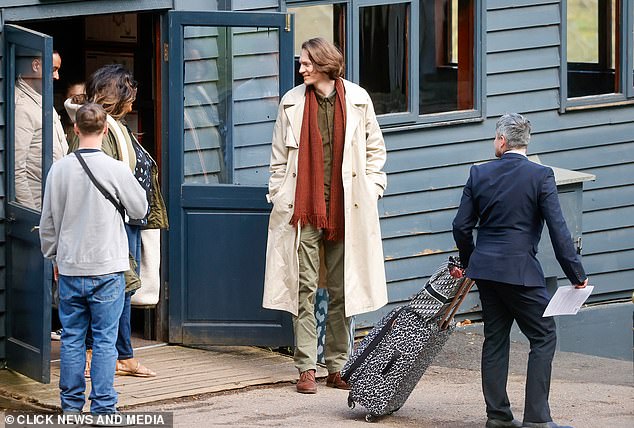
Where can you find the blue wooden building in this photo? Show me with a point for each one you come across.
(440, 73)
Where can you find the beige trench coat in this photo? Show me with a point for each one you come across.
(363, 183)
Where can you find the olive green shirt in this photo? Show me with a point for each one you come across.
(325, 120)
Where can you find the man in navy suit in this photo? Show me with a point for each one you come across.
(511, 198)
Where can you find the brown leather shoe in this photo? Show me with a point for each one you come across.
(334, 381)
(306, 383)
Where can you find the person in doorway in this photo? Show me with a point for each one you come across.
(326, 163)
(28, 129)
(114, 88)
(511, 198)
(74, 89)
(84, 235)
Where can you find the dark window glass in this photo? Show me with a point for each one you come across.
(446, 55)
(593, 47)
(383, 56)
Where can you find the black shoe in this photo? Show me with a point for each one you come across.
(544, 425)
(499, 423)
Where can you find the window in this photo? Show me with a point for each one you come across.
(598, 52)
(592, 47)
(327, 21)
(383, 56)
(419, 60)
(446, 56)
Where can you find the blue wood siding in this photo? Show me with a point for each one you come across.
(256, 5)
(427, 167)
(2, 202)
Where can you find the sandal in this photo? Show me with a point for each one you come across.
(139, 370)
(88, 363)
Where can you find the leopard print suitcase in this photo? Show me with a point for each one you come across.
(389, 362)
(400, 350)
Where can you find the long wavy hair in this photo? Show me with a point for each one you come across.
(113, 87)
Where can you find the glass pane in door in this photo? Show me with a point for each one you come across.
(231, 94)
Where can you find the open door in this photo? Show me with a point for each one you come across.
(227, 71)
(29, 276)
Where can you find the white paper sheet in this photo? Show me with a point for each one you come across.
(567, 300)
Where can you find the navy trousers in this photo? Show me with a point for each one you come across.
(502, 304)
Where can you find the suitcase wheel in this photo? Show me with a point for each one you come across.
(351, 402)
(371, 418)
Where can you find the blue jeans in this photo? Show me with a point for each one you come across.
(124, 337)
(96, 301)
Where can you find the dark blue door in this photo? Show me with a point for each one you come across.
(226, 73)
(29, 58)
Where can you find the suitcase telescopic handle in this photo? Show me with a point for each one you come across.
(450, 312)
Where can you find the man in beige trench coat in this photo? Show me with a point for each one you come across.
(327, 156)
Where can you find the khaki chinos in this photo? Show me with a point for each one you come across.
(305, 324)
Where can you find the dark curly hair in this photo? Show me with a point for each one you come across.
(113, 87)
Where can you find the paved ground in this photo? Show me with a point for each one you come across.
(586, 392)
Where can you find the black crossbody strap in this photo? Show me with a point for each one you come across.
(389, 325)
(103, 191)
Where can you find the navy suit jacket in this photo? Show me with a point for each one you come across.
(511, 198)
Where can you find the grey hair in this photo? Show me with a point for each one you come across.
(515, 128)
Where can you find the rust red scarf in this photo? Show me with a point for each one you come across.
(310, 205)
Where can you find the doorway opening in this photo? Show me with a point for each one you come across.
(85, 43)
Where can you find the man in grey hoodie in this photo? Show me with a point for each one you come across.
(83, 234)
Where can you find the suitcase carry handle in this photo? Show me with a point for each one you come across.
(461, 294)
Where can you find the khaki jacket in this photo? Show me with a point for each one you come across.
(364, 155)
(124, 152)
(28, 144)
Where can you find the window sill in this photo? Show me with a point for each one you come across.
(433, 121)
(596, 102)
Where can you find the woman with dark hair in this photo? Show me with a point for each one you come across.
(114, 88)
